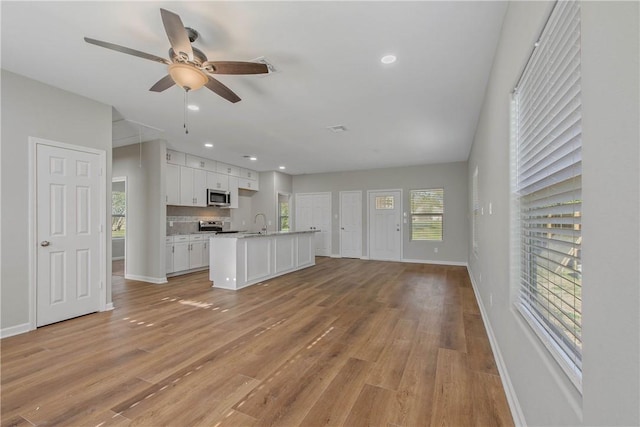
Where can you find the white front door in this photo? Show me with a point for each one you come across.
(68, 233)
(351, 224)
(385, 231)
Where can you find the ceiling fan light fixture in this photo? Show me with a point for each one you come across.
(388, 59)
(187, 76)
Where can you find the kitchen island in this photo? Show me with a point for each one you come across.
(244, 259)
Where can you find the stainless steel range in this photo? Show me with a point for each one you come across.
(210, 226)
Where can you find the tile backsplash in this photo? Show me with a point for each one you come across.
(184, 219)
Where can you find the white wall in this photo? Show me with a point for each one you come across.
(30, 108)
(450, 176)
(611, 327)
(146, 210)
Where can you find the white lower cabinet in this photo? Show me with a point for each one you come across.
(198, 252)
(180, 256)
(169, 254)
(187, 252)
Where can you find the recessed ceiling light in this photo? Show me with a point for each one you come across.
(388, 59)
(208, 145)
(253, 158)
(193, 107)
(281, 167)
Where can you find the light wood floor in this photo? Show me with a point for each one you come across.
(347, 342)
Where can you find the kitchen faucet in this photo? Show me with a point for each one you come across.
(264, 218)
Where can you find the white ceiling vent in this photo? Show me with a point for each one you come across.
(262, 60)
(337, 128)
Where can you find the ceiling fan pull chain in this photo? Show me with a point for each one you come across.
(186, 103)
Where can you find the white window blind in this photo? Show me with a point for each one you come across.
(548, 143)
(427, 210)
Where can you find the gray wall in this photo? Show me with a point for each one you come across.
(146, 210)
(450, 176)
(611, 389)
(266, 200)
(30, 108)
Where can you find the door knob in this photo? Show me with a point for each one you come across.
(45, 243)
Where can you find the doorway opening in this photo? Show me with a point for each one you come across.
(118, 226)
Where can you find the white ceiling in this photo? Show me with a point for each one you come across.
(421, 109)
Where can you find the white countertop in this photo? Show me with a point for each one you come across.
(267, 234)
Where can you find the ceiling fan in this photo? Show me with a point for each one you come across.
(188, 67)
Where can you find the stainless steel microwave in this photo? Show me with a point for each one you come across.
(218, 198)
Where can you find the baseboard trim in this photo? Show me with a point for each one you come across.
(15, 330)
(366, 258)
(428, 261)
(335, 256)
(108, 307)
(512, 398)
(117, 258)
(154, 280)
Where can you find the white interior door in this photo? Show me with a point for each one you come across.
(385, 231)
(303, 212)
(321, 207)
(313, 212)
(351, 224)
(68, 233)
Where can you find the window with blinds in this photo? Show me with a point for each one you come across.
(547, 188)
(427, 210)
(475, 212)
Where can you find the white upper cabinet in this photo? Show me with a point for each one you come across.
(188, 177)
(193, 187)
(173, 184)
(227, 169)
(200, 163)
(249, 174)
(217, 181)
(176, 158)
(249, 184)
(233, 192)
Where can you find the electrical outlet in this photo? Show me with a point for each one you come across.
(490, 208)
(170, 223)
(269, 222)
(435, 250)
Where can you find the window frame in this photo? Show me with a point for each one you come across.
(426, 214)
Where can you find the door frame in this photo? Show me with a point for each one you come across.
(359, 192)
(401, 220)
(32, 219)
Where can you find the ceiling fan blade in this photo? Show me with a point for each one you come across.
(163, 84)
(127, 50)
(178, 37)
(217, 87)
(237, 67)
